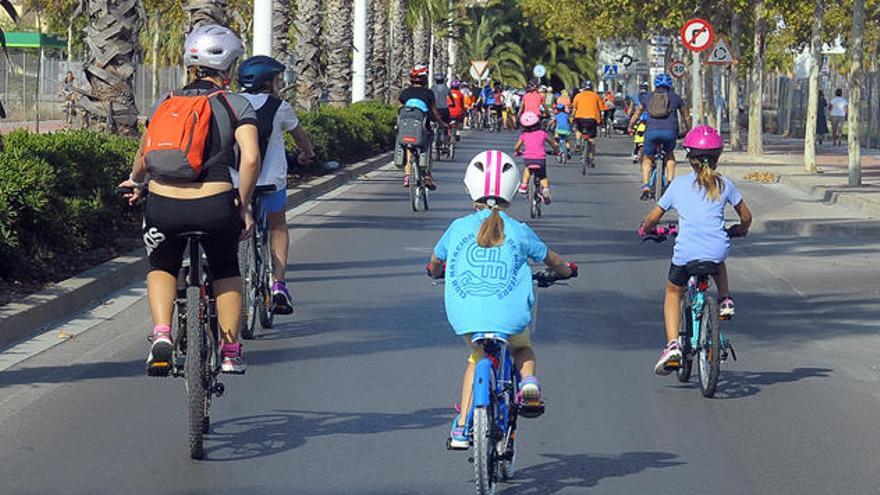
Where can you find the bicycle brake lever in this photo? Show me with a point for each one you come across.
(656, 238)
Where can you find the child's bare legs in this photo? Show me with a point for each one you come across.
(527, 174)
(721, 281)
(672, 310)
(524, 358)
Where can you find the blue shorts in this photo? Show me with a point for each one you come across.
(274, 202)
(659, 137)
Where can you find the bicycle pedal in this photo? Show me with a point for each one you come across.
(672, 365)
(531, 409)
(159, 368)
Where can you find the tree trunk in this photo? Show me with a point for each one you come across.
(733, 85)
(377, 84)
(399, 41)
(154, 62)
(338, 45)
(787, 104)
(280, 29)
(307, 60)
(756, 97)
(203, 12)
(813, 100)
(856, 81)
(441, 59)
(111, 36)
(421, 41)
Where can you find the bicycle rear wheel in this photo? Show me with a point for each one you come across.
(660, 180)
(585, 158)
(484, 451)
(414, 179)
(195, 371)
(683, 372)
(264, 301)
(532, 195)
(710, 349)
(249, 288)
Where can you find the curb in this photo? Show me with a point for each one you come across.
(33, 314)
(841, 195)
(848, 228)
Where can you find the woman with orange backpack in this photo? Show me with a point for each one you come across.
(186, 153)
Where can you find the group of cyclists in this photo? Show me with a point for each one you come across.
(228, 143)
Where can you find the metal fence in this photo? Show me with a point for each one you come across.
(30, 89)
(786, 102)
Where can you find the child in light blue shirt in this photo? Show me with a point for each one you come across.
(699, 198)
(484, 257)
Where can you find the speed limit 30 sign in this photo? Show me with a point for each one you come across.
(697, 35)
(677, 68)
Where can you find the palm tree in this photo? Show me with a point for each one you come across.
(377, 82)
(206, 12)
(565, 62)
(111, 36)
(399, 41)
(339, 41)
(308, 47)
(280, 27)
(482, 40)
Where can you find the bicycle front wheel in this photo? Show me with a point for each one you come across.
(710, 349)
(249, 288)
(195, 371)
(484, 452)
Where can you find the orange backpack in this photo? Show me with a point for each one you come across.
(177, 135)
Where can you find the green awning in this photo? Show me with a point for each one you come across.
(18, 39)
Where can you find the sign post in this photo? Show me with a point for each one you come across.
(697, 35)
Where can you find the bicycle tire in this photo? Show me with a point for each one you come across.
(249, 288)
(683, 373)
(413, 179)
(264, 302)
(660, 181)
(195, 368)
(484, 452)
(585, 157)
(710, 349)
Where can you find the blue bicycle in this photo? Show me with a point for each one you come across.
(492, 419)
(699, 331)
(658, 181)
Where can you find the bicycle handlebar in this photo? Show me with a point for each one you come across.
(660, 233)
(545, 277)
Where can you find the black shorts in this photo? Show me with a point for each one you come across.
(498, 109)
(444, 112)
(165, 218)
(587, 126)
(678, 275)
(539, 173)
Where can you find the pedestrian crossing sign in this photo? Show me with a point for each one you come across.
(609, 71)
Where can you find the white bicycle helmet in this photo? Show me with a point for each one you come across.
(491, 175)
(212, 46)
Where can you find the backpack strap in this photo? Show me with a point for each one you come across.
(266, 122)
(227, 121)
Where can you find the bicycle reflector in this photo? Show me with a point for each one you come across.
(409, 139)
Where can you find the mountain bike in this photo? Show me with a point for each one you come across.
(534, 191)
(255, 265)
(492, 419)
(658, 182)
(418, 188)
(562, 156)
(587, 161)
(196, 355)
(699, 335)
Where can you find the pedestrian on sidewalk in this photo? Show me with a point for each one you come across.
(839, 110)
(821, 119)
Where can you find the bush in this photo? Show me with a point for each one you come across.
(58, 190)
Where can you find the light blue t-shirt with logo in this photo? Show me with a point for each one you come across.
(489, 289)
(701, 233)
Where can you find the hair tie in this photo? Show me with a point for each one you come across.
(491, 203)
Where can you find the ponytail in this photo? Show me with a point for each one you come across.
(708, 179)
(492, 229)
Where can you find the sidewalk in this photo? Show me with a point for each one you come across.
(45, 126)
(783, 161)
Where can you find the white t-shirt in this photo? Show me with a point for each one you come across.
(838, 107)
(274, 169)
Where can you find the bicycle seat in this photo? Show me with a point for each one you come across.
(266, 189)
(481, 336)
(198, 234)
(533, 166)
(702, 268)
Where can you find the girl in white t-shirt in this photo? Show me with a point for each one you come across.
(261, 77)
(838, 110)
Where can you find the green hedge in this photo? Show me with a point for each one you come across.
(57, 191)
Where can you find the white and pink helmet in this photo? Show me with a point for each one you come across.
(491, 175)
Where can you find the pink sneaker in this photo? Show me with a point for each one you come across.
(670, 358)
(233, 361)
(523, 188)
(161, 351)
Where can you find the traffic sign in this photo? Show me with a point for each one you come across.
(661, 40)
(677, 68)
(697, 35)
(720, 54)
(479, 69)
(609, 71)
(539, 71)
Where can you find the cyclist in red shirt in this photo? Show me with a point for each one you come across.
(456, 107)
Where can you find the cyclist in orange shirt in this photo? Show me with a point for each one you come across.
(587, 112)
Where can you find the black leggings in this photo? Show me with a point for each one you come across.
(165, 218)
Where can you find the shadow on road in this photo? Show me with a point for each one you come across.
(261, 435)
(740, 384)
(584, 471)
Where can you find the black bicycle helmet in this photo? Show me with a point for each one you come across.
(439, 78)
(254, 72)
(587, 84)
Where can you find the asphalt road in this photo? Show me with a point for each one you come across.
(353, 394)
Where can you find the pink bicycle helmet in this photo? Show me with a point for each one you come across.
(703, 141)
(529, 119)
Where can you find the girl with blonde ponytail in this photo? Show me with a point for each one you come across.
(484, 258)
(700, 199)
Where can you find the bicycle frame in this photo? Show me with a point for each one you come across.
(696, 294)
(494, 375)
